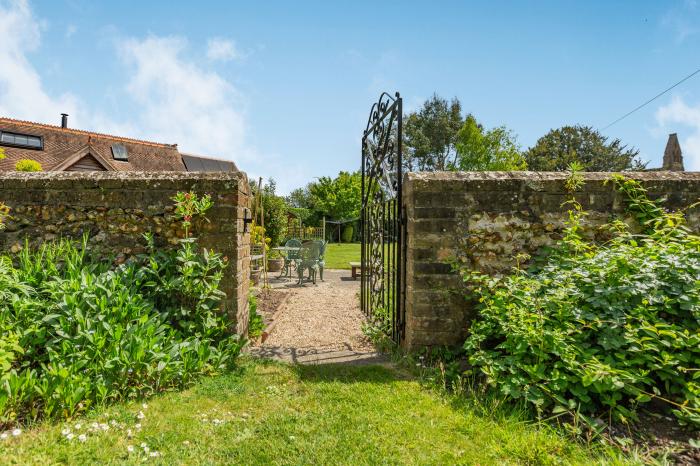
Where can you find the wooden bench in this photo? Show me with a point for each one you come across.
(355, 266)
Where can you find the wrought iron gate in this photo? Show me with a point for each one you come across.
(382, 222)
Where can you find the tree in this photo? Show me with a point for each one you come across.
(487, 150)
(556, 150)
(275, 212)
(338, 198)
(430, 134)
(301, 198)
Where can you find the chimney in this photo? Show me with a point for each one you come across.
(64, 120)
(673, 157)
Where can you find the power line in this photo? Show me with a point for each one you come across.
(652, 99)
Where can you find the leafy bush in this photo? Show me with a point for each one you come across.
(598, 329)
(28, 165)
(256, 325)
(274, 209)
(76, 331)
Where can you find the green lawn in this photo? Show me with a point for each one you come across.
(338, 255)
(270, 413)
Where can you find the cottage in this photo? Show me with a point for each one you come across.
(60, 148)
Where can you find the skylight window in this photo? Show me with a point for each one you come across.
(119, 152)
(21, 140)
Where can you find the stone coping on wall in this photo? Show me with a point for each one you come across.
(488, 219)
(113, 179)
(529, 176)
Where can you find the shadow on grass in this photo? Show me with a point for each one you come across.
(313, 355)
(344, 373)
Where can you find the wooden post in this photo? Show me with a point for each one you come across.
(262, 224)
(324, 229)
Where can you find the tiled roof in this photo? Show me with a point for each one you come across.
(199, 163)
(62, 143)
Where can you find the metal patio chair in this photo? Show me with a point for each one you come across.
(309, 255)
(321, 256)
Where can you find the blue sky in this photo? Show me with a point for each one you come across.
(283, 88)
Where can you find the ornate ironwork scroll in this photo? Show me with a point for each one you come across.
(382, 226)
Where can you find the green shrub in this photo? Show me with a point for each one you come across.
(346, 235)
(598, 329)
(77, 331)
(256, 325)
(28, 165)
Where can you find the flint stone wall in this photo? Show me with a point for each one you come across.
(487, 219)
(115, 208)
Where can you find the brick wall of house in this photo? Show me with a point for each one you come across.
(116, 208)
(486, 219)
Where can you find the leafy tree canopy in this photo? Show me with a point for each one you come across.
(556, 150)
(479, 149)
(301, 198)
(339, 197)
(430, 134)
(275, 208)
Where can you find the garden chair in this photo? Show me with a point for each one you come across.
(291, 257)
(322, 252)
(308, 260)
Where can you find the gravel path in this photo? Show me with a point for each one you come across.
(319, 322)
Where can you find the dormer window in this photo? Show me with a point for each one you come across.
(26, 141)
(120, 153)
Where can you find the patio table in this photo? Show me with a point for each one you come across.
(286, 250)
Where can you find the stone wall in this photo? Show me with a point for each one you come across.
(116, 208)
(486, 220)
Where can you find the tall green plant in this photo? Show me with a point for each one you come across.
(188, 205)
(77, 331)
(598, 329)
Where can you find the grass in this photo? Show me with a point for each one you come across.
(339, 255)
(282, 414)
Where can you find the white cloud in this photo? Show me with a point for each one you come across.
(677, 112)
(21, 91)
(682, 21)
(219, 49)
(173, 98)
(181, 102)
